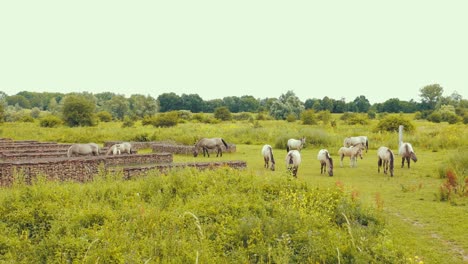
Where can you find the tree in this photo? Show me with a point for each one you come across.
(192, 102)
(118, 106)
(211, 105)
(169, 102)
(361, 104)
(248, 103)
(430, 95)
(19, 100)
(78, 110)
(232, 102)
(391, 106)
(142, 106)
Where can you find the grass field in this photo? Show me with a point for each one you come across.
(430, 230)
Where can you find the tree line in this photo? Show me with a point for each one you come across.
(109, 106)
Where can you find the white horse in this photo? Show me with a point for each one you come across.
(325, 161)
(296, 144)
(293, 160)
(210, 143)
(352, 152)
(353, 141)
(267, 153)
(83, 149)
(114, 149)
(117, 149)
(406, 152)
(386, 159)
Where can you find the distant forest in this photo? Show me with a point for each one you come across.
(433, 105)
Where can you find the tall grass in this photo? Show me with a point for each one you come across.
(177, 218)
(428, 136)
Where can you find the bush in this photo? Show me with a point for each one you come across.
(243, 116)
(291, 118)
(222, 113)
(391, 123)
(128, 122)
(50, 121)
(104, 116)
(325, 116)
(308, 117)
(168, 119)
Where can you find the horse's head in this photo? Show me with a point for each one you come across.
(413, 156)
(195, 152)
(272, 166)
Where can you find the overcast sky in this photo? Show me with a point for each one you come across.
(339, 49)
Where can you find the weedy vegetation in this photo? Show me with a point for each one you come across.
(247, 216)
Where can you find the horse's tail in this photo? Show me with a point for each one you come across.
(271, 155)
(289, 159)
(110, 150)
(225, 144)
(391, 158)
(367, 144)
(70, 151)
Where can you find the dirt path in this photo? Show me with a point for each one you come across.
(455, 249)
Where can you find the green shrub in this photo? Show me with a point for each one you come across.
(242, 116)
(291, 118)
(222, 113)
(168, 119)
(391, 123)
(308, 117)
(128, 122)
(324, 116)
(50, 121)
(104, 116)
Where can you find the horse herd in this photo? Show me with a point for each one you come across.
(352, 148)
(93, 149)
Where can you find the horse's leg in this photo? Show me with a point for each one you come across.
(408, 161)
(402, 162)
(295, 172)
(341, 161)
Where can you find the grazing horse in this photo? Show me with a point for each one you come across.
(325, 161)
(210, 143)
(117, 149)
(293, 160)
(406, 152)
(297, 144)
(83, 149)
(353, 141)
(352, 152)
(267, 153)
(386, 159)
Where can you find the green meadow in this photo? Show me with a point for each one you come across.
(249, 216)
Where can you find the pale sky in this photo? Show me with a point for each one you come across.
(339, 49)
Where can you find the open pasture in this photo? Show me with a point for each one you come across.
(433, 230)
(417, 220)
